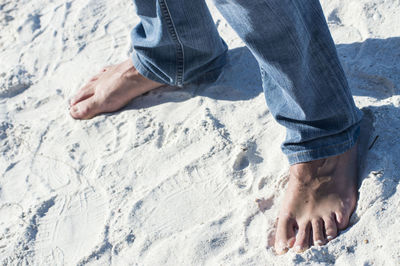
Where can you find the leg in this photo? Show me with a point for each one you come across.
(307, 92)
(175, 43)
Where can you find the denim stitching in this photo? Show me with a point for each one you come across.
(350, 141)
(281, 21)
(178, 44)
(144, 70)
(340, 73)
(322, 148)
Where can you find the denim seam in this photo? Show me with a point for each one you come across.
(145, 71)
(281, 22)
(338, 71)
(178, 44)
(309, 39)
(334, 72)
(341, 73)
(324, 147)
(300, 51)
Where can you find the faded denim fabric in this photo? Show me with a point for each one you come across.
(305, 87)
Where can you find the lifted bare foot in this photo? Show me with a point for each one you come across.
(110, 90)
(318, 202)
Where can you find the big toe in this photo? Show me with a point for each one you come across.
(285, 235)
(85, 109)
(342, 219)
(84, 93)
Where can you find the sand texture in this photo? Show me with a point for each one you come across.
(173, 178)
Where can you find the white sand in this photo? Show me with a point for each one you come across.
(172, 179)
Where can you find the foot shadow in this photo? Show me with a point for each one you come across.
(379, 148)
(239, 80)
(371, 68)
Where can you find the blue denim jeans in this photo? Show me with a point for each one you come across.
(306, 90)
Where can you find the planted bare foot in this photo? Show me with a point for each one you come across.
(110, 90)
(318, 202)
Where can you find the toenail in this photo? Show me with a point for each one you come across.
(282, 248)
(319, 242)
(299, 249)
(329, 238)
(281, 251)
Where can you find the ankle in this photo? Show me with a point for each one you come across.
(306, 172)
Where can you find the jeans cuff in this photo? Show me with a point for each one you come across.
(326, 151)
(204, 78)
(144, 71)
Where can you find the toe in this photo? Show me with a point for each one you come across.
(285, 235)
(342, 220)
(330, 227)
(96, 77)
(318, 233)
(303, 238)
(84, 109)
(82, 94)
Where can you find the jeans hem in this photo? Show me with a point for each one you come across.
(144, 71)
(324, 152)
(204, 78)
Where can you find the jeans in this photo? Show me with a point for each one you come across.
(176, 43)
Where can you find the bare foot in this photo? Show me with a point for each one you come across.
(318, 202)
(110, 90)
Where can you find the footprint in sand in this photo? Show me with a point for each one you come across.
(69, 226)
(14, 82)
(241, 161)
(247, 154)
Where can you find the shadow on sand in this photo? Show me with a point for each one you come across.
(239, 80)
(372, 68)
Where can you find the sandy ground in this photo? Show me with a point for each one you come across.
(172, 179)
